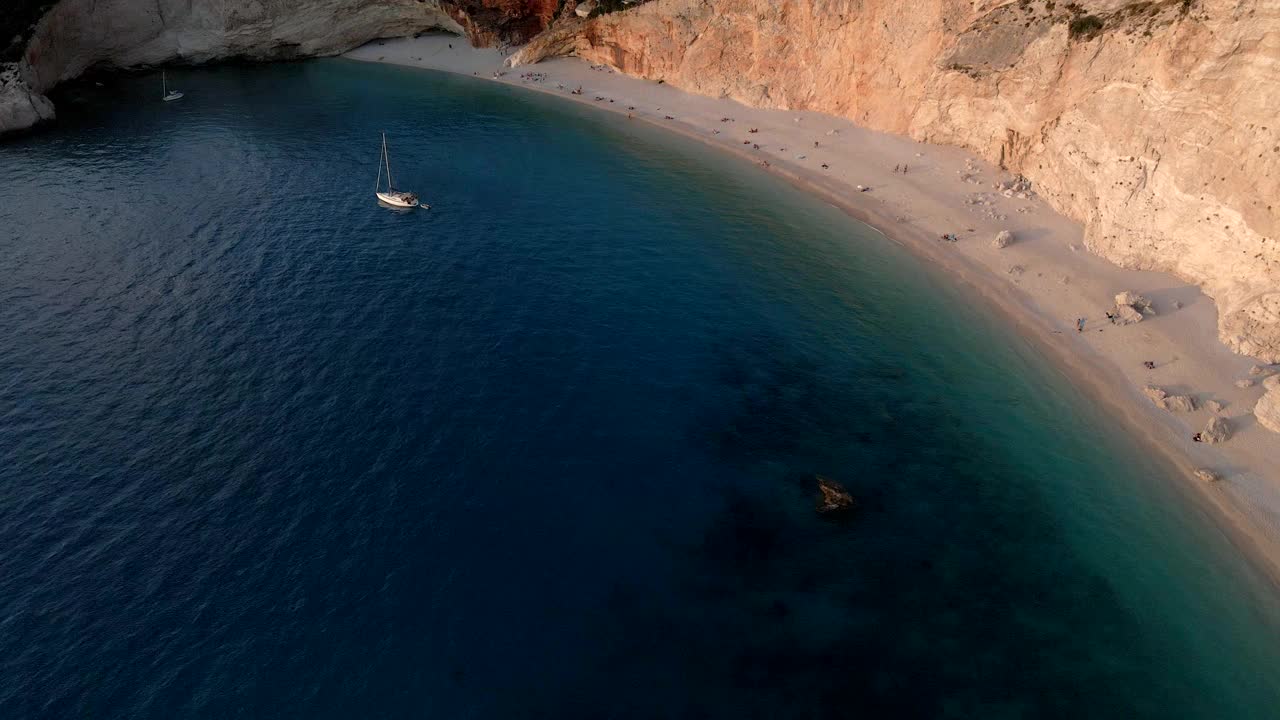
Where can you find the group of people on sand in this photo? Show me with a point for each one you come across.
(904, 168)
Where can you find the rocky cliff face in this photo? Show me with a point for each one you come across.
(501, 22)
(1152, 122)
(79, 34)
(75, 35)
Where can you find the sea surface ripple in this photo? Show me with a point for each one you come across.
(546, 450)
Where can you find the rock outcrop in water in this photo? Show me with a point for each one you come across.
(20, 107)
(1151, 122)
(833, 498)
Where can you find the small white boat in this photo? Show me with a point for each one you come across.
(393, 197)
(169, 95)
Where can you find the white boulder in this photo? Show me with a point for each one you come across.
(1128, 298)
(1172, 403)
(1207, 475)
(1268, 408)
(1216, 431)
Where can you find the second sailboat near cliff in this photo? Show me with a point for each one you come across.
(396, 198)
(169, 95)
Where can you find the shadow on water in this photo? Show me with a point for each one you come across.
(931, 601)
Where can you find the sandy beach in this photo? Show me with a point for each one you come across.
(1043, 282)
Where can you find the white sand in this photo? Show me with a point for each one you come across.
(1059, 282)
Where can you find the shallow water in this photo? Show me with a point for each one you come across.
(545, 450)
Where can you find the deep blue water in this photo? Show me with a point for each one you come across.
(268, 449)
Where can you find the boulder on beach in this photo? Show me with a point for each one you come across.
(1125, 315)
(1268, 408)
(1207, 475)
(832, 497)
(1214, 407)
(1018, 185)
(1172, 403)
(1216, 431)
(1003, 239)
(1135, 301)
(1130, 308)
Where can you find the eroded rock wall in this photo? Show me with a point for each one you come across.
(1153, 123)
(75, 35)
(79, 34)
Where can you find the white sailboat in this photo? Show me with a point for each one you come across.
(169, 95)
(392, 196)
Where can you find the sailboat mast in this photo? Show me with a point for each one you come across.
(164, 83)
(386, 156)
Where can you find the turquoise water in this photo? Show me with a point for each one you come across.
(268, 449)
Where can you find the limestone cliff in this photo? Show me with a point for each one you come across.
(76, 35)
(1153, 123)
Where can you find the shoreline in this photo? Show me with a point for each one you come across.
(1039, 284)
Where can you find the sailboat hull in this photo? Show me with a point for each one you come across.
(397, 200)
(175, 95)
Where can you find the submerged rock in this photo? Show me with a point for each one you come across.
(1003, 239)
(1216, 431)
(1172, 403)
(832, 497)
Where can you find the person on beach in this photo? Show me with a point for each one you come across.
(904, 169)
(1197, 438)
(1079, 325)
(896, 168)
(1149, 365)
